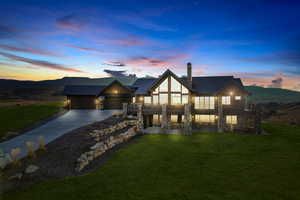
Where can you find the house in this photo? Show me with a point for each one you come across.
(218, 102)
(110, 96)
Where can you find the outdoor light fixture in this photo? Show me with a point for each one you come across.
(141, 98)
(231, 93)
(116, 91)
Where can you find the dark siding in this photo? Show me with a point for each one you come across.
(115, 96)
(82, 102)
(115, 101)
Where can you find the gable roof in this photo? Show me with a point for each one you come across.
(143, 85)
(202, 85)
(117, 82)
(170, 73)
(92, 90)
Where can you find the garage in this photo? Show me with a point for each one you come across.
(82, 102)
(107, 97)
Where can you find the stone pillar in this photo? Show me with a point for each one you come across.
(220, 115)
(187, 119)
(125, 109)
(246, 103)
(164, 119)
(140, 116)
(257, 120)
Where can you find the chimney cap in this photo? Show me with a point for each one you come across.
(189, 63)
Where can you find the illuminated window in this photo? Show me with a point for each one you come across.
(147, 100)
(175, 85)
(204, 102)
(155, 99)
(205, 118)
(184, 90)
(238, 97)
(133, 99)
(155, 91)
(164, 86)
(226, 100)
(231, 119)
(185, 99)
(163, 98)
(175, 99)
(174, 118)
(156, 119)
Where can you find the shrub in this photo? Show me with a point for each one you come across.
(14, 157)
(41, 142)
(30, 149)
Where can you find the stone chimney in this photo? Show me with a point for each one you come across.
(189, 73)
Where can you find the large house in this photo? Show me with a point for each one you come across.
(215, 101)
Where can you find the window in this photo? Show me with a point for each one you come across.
(156, 119)
(184, 90)
(133, 99)
(164, 86)
(175, 85)
(175, 99)
(226, 100)
(231, 119)
(155, 99)
(185, 99)
(147, 100)
(174, 118)
(205, 118)
(204, 102)
(163, 98)
(155, 91)
(238, 97)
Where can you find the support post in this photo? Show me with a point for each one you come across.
(140, 116)
(187, 119)
(257, 120)
(125, 109)
(164, 122)
(220, 115)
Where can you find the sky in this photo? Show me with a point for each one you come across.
(258, 41)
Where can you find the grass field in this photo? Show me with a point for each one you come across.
(201, 166)
(17, 117)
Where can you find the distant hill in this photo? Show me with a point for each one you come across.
(10, 89)
(49, 89)
(6, 83)
(265, 95)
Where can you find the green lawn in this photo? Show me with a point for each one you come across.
(201, 166)
(15, 118)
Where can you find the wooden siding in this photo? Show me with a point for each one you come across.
(115, 95)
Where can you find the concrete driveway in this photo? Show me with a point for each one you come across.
(57, 127)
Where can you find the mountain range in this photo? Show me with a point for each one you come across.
(10, 89)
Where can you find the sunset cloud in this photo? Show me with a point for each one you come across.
(115, 63)
(27, 50)
(71, 21)
(84, 48)
(40, 63)
(126, 42)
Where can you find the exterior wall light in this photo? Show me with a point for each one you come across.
(231, 93)
(116, 91)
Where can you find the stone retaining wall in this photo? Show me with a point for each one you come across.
(102, 146)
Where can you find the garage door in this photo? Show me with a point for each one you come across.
(83, 102)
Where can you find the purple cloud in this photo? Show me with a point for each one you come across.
(40, 63)
(27, 50)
